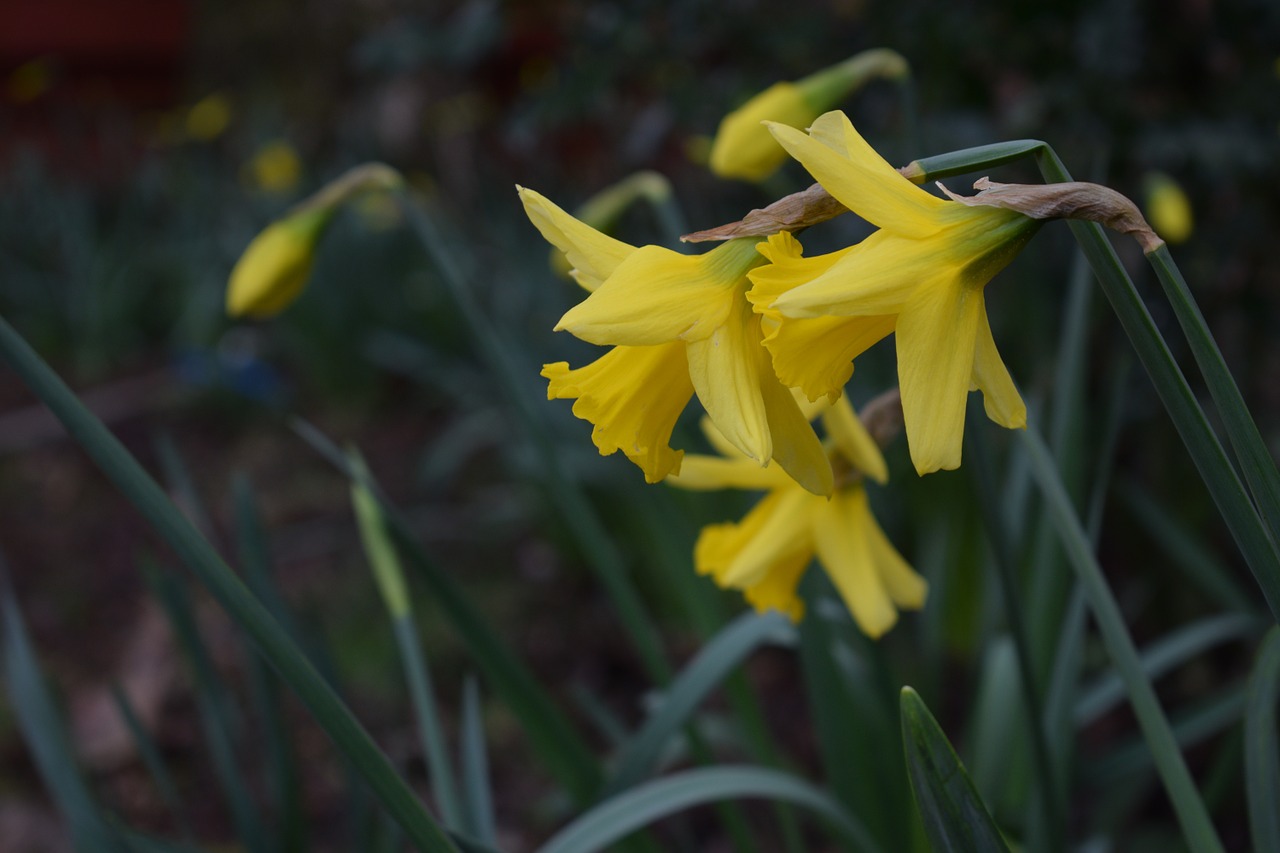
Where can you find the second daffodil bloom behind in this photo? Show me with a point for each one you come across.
(921, 276)
(679, 325)
(765, 554)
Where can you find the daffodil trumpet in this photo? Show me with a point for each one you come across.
(766, 553)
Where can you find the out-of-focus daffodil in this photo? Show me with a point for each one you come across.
(275, 167)
(679, 325)
(921, 275)
(209, 117)
(1167, 208)
(277, 263)
(743, 148)
(765, 554)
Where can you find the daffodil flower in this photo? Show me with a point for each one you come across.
(679, 325)
(276, 264)
(743, 149)
(921, 275)
(766, 553)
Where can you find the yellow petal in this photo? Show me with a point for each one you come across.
(906, 588)
(936, 334)
(593, 255)
(786, 270)
(816, 354)
(633, 396)
(743, 147)
(1000, 396)
(852, 439)
(726, 370)
(721, 444)
(773, 532)
(839, 532)
(796, 447)
(859, 178)
(657, 295)
(876, 276)
(777, 589)
(704, 473)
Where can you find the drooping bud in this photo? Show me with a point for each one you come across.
(1168, 207)
(277, 263)
(744, 149)
(1069, 200)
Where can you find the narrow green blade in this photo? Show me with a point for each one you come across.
(709, 667)
(43, 730)
(644, 804)
(478, 797)
(199, 556)
(1256, 462)
(955, 818)
(559, 745)
(1261, 754)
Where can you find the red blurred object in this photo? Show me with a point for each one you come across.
(77, 66)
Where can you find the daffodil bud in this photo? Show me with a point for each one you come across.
(743, 147)
(1167, 208)
(276, 265)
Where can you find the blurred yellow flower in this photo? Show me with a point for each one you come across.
(1167, 208)
(920, 275)
(277, 263)
(743, 148)
(765, 554)
(679, 325)
(275, 167)
(209, 117)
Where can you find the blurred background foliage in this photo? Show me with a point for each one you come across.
(140, 151)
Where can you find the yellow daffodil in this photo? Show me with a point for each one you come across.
(1168, 208)
(679, 325)
(277, 263)
(209, 117)
(743, 148)
(765, 554)
(921, 275)
(275, 167)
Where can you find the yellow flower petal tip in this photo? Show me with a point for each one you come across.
(275, 266)
(1167, 208)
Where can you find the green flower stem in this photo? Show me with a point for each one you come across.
(1207, 452)
(575, 510)
(383, 559)
(196, 552)
(1256, 463)
(1192, 815)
